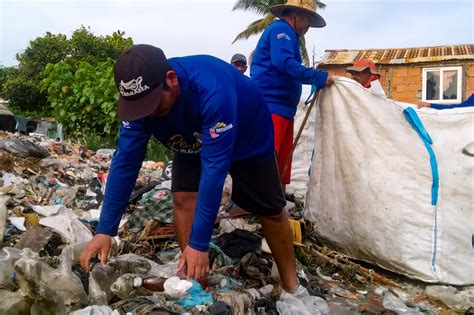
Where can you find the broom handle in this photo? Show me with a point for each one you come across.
(300, 131)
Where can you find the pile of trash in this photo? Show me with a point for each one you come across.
(50, 202)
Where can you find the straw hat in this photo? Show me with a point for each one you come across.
(306, 6)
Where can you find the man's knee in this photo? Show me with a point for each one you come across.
(182, 201)
(276, 217)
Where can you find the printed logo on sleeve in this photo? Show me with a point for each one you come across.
(126, 124)
(283, 35)
(219, 128)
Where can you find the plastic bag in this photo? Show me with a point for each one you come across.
(301, 303)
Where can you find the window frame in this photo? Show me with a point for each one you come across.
(441, 70)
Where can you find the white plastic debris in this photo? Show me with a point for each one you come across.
(66, 223)
(394, 304)
(12, 179)
(94, 310)
(459, 301)
(46, 211)
(175, 287)
(18, 222)
(301, 303)
(229, 225)
(3, 215)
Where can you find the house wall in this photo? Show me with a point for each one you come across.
(404, 82)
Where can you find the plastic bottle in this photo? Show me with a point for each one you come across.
(150, 283)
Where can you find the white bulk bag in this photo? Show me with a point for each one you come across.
(370, 189)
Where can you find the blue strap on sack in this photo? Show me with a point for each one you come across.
(310, 97)
(412, 117)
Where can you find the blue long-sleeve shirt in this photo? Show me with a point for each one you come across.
(277, 69)
(466, 103)
(219, 117)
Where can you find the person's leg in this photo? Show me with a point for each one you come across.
(183, 214)
(256, 188)
(184, 185)
(280, 133)
(286, 155)
(277, 232)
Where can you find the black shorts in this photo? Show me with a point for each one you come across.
(256, 184)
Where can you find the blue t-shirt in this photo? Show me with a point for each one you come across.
(220, 117)
(278, 72)
(466, 103)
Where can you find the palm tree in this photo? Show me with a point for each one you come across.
(262, 7)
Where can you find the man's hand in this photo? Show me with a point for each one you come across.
(329, 81)
(99, 244)
(423, 104)
(196, 263)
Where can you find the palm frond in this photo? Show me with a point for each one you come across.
(255, 28)
(319, 4)
(257, 6)
(304, 51)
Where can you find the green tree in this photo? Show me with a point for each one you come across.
(21, 87)
(21, 84)
(84, 101)
(86, 47)
(262, 7)
(5, 72)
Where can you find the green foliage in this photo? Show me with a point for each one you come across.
(86, 47)
(262, 7)
(21, 87)
(95, 142)
(155, 150)
(5, 72)
(84, 101)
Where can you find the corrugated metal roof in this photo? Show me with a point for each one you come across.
(399, 55)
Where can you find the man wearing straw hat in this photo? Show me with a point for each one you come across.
(278, 71)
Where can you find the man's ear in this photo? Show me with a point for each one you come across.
(171, 78)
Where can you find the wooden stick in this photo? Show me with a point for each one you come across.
(300, 131)
(346, 264)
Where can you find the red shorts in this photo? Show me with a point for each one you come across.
(283, 130)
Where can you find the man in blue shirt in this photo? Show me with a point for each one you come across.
(216, 122)
(278, 72)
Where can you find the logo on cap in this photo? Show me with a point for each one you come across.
(132, 87)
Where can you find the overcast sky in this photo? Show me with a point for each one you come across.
(195, 27)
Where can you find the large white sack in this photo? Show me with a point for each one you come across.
(303, 152)
(369, 191)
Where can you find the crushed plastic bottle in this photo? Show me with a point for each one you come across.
(13, 303)
(100, 281)
(301, 303)
(459, 301)
(3, 216)
(39, 281)
(124, 286)
(394, 304)
(94, 310)
(8, 258)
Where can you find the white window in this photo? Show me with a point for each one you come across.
(442, 85)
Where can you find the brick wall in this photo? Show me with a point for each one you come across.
(469, 80)
(404, 82)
